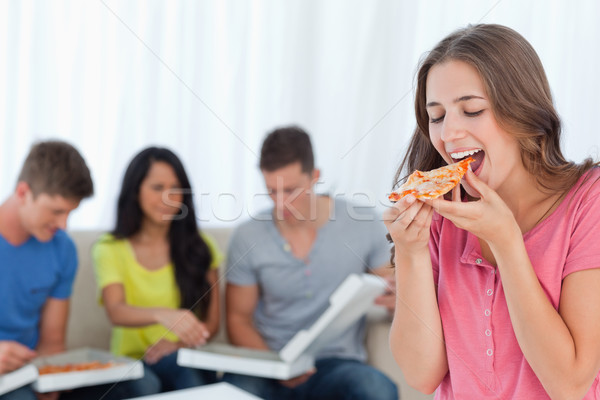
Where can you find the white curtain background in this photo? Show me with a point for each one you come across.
(208, 79)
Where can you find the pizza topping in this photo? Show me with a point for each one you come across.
(434, 183)
(84, 366)
(477, 154)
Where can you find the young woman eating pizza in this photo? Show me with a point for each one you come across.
(498, 284)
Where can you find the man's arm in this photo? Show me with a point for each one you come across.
(53, 326)
(240, 305)
(384, 271)
(213, 314)
(388, 298)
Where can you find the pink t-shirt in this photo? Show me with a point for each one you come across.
(484, 358)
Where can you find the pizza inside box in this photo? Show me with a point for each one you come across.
(348, 303)
(20, 377)
(83, 367)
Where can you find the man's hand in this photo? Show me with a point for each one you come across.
(388, 298)
(14, 355)
(298, 380)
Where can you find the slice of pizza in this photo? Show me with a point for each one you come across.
(83, 366)
(434, 183)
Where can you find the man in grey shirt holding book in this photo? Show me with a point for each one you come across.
(285, 263)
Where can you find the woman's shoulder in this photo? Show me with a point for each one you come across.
(109, 241)
(208, 239)
(588, 185)
(213, 247)
(584, 196)
(108, 249)
(594, 173)
(108, 238)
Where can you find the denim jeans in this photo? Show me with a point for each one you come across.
(22, 393)
(335, 379)
(174, 377)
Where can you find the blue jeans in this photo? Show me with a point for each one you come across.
(335, 379)
(22, 393)
(172, 376)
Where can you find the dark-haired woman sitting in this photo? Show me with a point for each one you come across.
(157, 273)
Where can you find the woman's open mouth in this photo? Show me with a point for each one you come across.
(477, 154)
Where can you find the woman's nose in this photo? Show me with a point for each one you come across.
(452, 128)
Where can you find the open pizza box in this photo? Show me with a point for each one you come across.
(348, 303)
(17, 378)
(120, 369)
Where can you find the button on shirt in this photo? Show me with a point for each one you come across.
(484, 357)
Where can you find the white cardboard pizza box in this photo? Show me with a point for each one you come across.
(215, 391)
(17, 378)
(349, 302)
(124, 369)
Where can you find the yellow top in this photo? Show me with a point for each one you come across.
(115, 262)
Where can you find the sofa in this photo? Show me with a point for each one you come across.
(89, 326)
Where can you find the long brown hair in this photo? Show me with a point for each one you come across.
(520, 97)
(190, 254)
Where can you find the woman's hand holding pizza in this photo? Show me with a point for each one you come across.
(488, 218)
(408, 222)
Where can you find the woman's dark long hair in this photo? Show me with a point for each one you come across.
(190, 255)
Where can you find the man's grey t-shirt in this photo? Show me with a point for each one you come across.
(293, 293)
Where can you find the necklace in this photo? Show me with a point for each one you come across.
(548, 210)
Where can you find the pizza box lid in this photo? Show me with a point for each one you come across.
(17, 378)
(349, 302)
(124, 369)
